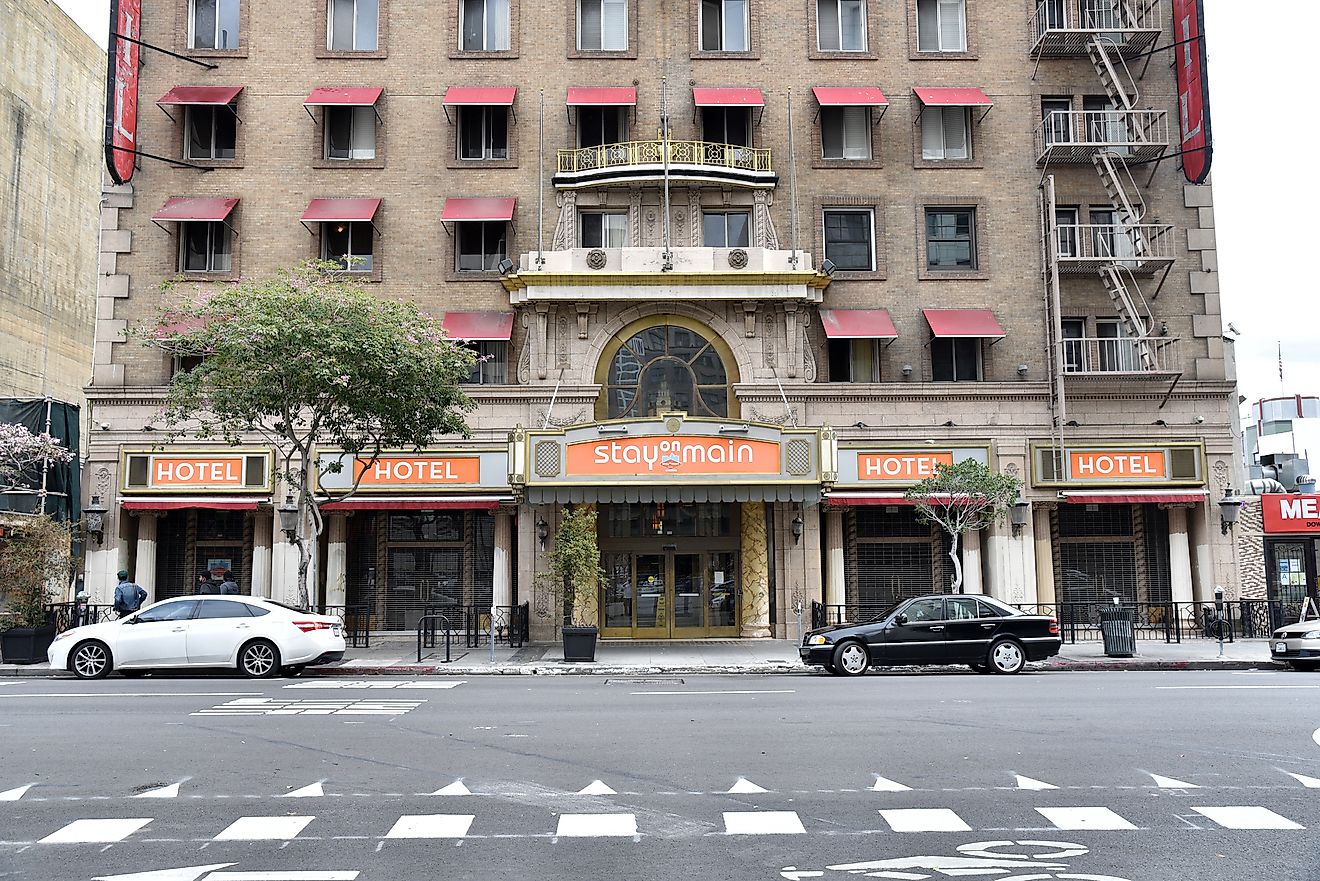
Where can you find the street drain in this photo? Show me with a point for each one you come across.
(644, 681)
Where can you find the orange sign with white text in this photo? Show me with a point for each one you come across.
(644, 456)
(216, 472)
(1117, 464)
(418, 471)
(900, 466)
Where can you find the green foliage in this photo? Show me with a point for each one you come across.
(575, 563)
(963, 497)
(35, 565)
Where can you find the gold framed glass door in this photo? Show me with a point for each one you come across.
(652, 580)
(670, 595)
(688, 588)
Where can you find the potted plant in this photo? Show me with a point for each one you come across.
(574, 574)
(35, 561)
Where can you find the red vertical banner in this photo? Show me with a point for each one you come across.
(1193, 88)
(121, 89)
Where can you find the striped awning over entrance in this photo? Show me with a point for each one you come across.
(563, 495)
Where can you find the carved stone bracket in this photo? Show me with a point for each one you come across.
(749, 318)
(635, 218)
(694, 217)
(564, 237)
(584, 312)
(764, 226)
(525, 359)
(542, 338)
(793, 335)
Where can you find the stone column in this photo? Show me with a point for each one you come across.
(835, 594)
(755, 607)
(502, 577)
(1180, 558)
(1200, 534)
(336, 559)
(261, 550)
(971, 562)
(145, 568)
(1040, 525)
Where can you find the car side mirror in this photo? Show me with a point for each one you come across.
(900, 618)
(134, 620)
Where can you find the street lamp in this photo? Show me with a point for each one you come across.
(797, 528)
(1017, 514)
(1230, 506)
(94, 519)
(288, 512)
(542, 532)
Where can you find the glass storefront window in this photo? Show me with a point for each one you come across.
(639, 520)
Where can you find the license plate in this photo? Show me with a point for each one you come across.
(1281, 647)
(338, 631)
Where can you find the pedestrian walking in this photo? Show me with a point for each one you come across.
(229, 586)
(128, 595)
(204, 583)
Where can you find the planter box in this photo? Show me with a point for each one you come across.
(580, 644)
(26, 645)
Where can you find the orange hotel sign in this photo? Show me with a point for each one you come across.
(197, 472)
(417, 471)
(1117, 465)
(900, 466)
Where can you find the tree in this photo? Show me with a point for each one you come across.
(304, 358)
(575, 571)
(35, 564)
(962, 497)
(21, 451)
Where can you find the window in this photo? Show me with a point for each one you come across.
(841, 25)
(604, 229)
(350, 133)
(1110, 236)
(665, 368)
(204, 246)
(1106, 124)
(950, 238)
(724, 26)
(482, 244)
(351, 25)
(492, 365)
(213, 24)
(484, 25)
(946, 133)
(725, 229)
(603, 25)
(845, 132)
(348, 244)
(1066, 221)
(211, 132)
(1118, 351)
(601, 125)
(1056, 113)
(1074, 331)
(726, 125)
(483, 133)
(854, 360)
(925, 610)
(849, 239)
(955, 359)
(941, 26)
(223, 609)
(1053, 14)
(177, 611)
(961, 609)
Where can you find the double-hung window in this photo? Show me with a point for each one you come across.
(850, 239)
(724, 26)
(482, 244)
(603, 229)
(350, 133)
(854, 360)
(205, 246)
(601, 125)
(351, 25)
(955, 359)
(1056, 118)
(1065, 221)
(1118, 351)
(603, 25)
(950, 239)
(841, 25)
(484, 25)
(726, 125)
(213, 24)
(941, 26)
(1074, 344)
(483, 132)
(725, 229)
(845, 132)
(946, 133)
(211, 131)
(492, 364)
(350, 244)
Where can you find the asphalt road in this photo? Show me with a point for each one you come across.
(1089, 776)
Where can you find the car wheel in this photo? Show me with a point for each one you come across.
(1007, 657)
(259, 659)
(851, 659)
(831, 669)
(293, 671)
(91, 660)
(979, 668)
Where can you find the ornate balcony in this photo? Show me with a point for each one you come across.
(1084, 248)
(1075, 136)
(1064, 28)
(1098, 358)
(689, 161)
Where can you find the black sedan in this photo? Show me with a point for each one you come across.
(978, 631)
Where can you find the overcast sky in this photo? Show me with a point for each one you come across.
(1254, 82)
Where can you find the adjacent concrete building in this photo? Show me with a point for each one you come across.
(743, 271)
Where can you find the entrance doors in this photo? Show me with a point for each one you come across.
(670, 594)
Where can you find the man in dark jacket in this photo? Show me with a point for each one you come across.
(128, 595)
(229, 586)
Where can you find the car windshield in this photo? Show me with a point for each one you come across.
(888, 610)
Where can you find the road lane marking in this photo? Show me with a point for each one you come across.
(924, 820)
(1084, 818)
(16, 793)
(743, 786)
(596, 787)
(1247, 817)
(171, 791)
(597, 826)
(364, 683)
(1171, 783)
(350, 875)
(134, 694)
(763, 823)
(1308, 782)
(455, 788)
(95, 831)
(264, 829)
(1028, 783)
(311, 790)
(730, 691)
(264, 706)
(1225, 687)
(431, 826)
(884, 784)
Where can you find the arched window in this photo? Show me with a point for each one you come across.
(663, 368)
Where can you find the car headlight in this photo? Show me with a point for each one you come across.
(60, 636)
(1314, 634)
(818, 639)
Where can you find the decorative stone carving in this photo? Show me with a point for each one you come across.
(650, 226)
(565, 228)
(596, 258)
(525, 358)
(576, 417)
(763, 222)
(1011, 469)
(809, 367)
(542, 338)
(584, 311)
(755, 556)
(1220, 468)
(562, 354)
(749, 318)
(792, 335)
(635, 218)
(776, 417)
(738, 258)
(694, 214)
(768, 336)
(102, 483)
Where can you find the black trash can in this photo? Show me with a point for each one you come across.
(1117, 629)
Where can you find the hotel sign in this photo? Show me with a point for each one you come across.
(1290, 514)
(194, 471)
(900, 467)
(639, 457)
(425, 471)
(1117, 465)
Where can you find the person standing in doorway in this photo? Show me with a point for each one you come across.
(128, 595)
(229, 586)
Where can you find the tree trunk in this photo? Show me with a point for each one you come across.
(957, 563)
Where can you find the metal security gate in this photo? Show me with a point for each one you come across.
(890, 556)
(1108, 552)
(190, 541)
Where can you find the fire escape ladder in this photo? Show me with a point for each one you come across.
(1055, 358)
(1120, 186)
(1125, 293)
(1114, 73)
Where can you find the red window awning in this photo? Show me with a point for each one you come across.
(348, 210)
(414, 504)
(457, 209)
(487, 96)
(216, 95)
(180, 504)
(329, 96)
(601, 96)
(182, 208)
(857, 324)
(728, 97)
(867, 499)
(965, 97)
(963, 323)
(860, 96)
(1136, 498)
(478, 325)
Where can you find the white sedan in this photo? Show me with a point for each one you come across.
(258, 637)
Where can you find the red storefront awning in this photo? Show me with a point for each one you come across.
(180, 504)
(211, 95)
(857, 324)
(601, 96)
(480, 96)
(328, 95)
(859, 96)
(728, 97)
(413, 504)
(457, 209)
(478, 325)
(1136, 498)
(182, 208)
(332, 210)
(964, 323)
(965, 97)
(867, 499)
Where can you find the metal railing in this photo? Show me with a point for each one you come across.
(700, 153)
(1175, 622)
(427, 627)
(1084, 247)
(1108, 356)
(1072, 135)
(66, 616)
(849, 613)
(507, 624)
(1055, 20)
(357, 623)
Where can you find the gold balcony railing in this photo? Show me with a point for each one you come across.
(681, 153)
(1074, 136)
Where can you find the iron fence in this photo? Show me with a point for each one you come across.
(849, 613)
(508, 624)
(357, 629)
(66, 616)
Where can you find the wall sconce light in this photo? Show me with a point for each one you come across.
(907, 370)
(1017, 514)
(1230, 506)
(94, 519)
(797, 528)
(505, 266)
(288, 513)
(1022, 370)
(542, 532)
(827, 266)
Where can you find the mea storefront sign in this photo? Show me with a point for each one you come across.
(873, 467)
(425, 471)
(1290, 514)
(121, 89)
(196, 471)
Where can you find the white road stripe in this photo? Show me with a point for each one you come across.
(730, 691)
(132, 694)
(1247, 817)
(762, 823)
(1171, 783)
(1028, 783)
(455, 788)
(363, 683)
(596, 787)
(1226, 687)
(15, 794)
(746, 787)
(1308, 782)
(884, 784)
(264, 829)
(924, 820)
(1084, 818)
(311, 790)
(431, 826)
(95, 831)
(171, 791)
(350, 875)
(597, 826)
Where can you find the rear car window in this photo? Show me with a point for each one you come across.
(223, 609)
(989, 611)
(257, 611)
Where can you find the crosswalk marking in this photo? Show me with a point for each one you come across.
(431, 826)
(745, 787)
(375, 684)
(455, 788)
(596, 787)
(597, 826)
(884, 784)
(95, 831)
(1084, 818)
(171, 791)
(16, 793)
(924, 820)
(264, 829)
(1171, 783)
(762, 823)
(311, 790)
(1247, 817)
(262, 706)
(1308, 782)
(1028, 783)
